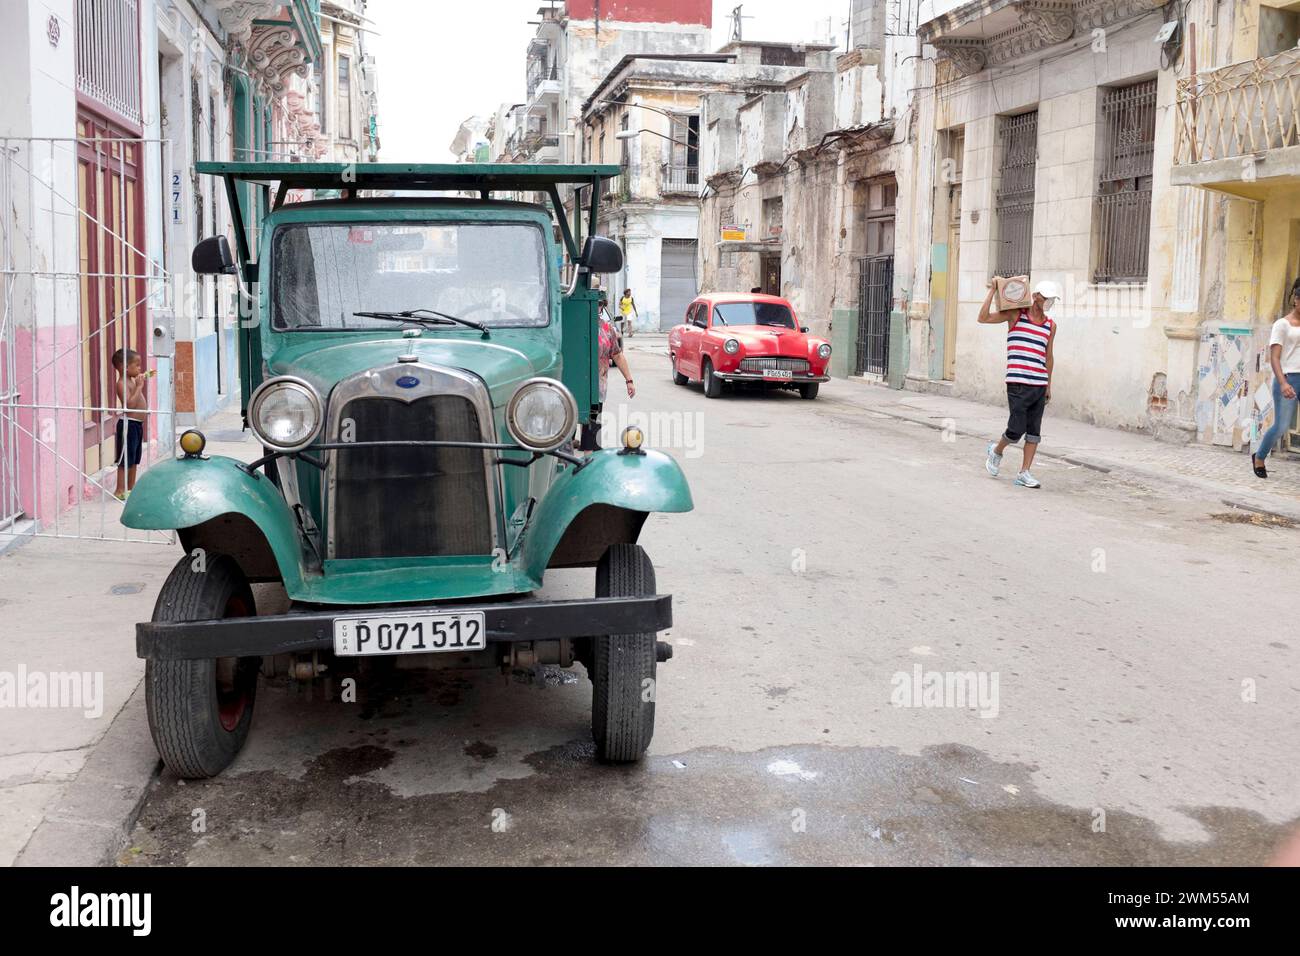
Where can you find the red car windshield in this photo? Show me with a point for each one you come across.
(753, 313)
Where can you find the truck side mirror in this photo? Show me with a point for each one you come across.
(602, 254)
(212, 257)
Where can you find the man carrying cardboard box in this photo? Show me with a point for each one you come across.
(1030, 334)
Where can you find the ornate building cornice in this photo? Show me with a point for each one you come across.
(1042, 24)
(237, 16)
(966, 56)
(273, 56)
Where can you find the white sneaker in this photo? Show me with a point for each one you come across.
(1026, 480)
(994, 461)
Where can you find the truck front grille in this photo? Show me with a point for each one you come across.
(411, 501)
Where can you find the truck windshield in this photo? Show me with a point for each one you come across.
(493, 273)
(752, 313)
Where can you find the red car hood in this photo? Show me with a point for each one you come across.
(766, 340)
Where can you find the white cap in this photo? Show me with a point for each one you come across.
(1047, 289)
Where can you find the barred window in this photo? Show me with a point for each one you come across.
(108, 54)
(1017, 167)
(1124, 184)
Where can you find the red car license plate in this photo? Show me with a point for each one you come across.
(777, 375)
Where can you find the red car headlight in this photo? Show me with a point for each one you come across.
(824, 351)
(731, 346)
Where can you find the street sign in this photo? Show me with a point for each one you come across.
(733, 233)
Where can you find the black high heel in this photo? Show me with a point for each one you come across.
(1260, 470)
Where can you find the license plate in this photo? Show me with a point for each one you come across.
(409, 634)
(778, 375)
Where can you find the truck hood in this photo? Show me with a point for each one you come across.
(502, 364)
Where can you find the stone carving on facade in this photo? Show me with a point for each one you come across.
(274, 55)
(237, 16)
(966, 56)
(1092, 14)
(1042, 24)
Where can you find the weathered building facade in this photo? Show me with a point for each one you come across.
(1235, 119)
(801, 185)
(645, 116)
(576, 45)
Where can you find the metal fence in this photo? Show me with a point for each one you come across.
(1015, 197)
(78, 285)
(875, 299)
(1124, 186)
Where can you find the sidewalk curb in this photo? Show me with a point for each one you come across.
(1228, 496)
(92, 819)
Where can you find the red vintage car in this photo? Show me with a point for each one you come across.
(746, 337)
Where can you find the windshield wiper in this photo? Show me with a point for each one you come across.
(430, 319)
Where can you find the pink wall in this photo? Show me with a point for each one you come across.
(55, 454)
(643, 11)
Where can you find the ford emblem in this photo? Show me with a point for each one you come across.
(408, 381)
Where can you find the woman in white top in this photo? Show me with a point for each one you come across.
(1284, 356)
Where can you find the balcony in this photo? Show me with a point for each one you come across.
(679, 180)
(619, 188)
(1239, 126)
(541, 147)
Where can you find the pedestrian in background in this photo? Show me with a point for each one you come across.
(627, 308)
(1284, 357)
(1030, 334)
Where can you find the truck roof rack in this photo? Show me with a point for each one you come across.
(483, 176)
(486, 178)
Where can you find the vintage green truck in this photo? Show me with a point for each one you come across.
(416, 369)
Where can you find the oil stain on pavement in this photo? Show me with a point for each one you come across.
(486, 802)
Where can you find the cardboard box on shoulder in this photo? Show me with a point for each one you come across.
(1011, 292)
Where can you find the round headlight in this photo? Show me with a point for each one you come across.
(542, 414)
(285, 413)
(731, 346)
(824, 350)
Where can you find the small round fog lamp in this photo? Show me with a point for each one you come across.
(633, 439)
(192, 443)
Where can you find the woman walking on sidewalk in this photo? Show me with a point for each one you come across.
(1030, 334)
(1284, 357)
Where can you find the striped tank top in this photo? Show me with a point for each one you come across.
(1027, 350)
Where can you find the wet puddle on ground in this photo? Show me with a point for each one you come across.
(353, 803)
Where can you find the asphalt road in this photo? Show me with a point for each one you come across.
(1137, 668)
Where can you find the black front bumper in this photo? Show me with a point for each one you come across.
(313, 630)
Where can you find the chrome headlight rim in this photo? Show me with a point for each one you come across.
(570, 414)
(824, 351)
(731, 346)
(297, 384)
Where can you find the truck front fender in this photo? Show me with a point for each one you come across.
(610, 495)
(187, 493)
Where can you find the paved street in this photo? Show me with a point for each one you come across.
(1140, 703)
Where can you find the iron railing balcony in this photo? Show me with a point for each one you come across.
(1234, 123)
(679, 179)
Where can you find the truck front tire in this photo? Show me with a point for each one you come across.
(200, 711)
(623, 665)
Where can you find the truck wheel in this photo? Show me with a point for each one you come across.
(810, 390)
(678, 377)
(200, 711)
(623, 673)
(712, 384)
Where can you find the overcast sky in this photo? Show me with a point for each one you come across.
(440, 62)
